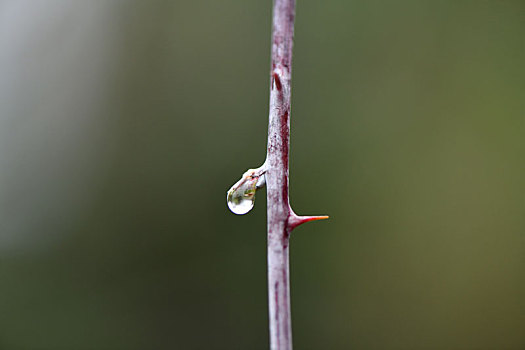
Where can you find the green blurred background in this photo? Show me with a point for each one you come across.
(123, 123)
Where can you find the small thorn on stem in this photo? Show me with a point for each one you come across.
(296, 220)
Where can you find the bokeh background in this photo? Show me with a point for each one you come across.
(123, 123)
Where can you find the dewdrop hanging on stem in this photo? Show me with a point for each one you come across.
(241, 196)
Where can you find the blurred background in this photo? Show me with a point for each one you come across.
(123, 123)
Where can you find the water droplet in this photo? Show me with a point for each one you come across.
(241, 196)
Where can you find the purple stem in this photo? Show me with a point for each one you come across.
(277, 176)
(281, 218)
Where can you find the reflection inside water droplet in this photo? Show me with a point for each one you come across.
(241, 196)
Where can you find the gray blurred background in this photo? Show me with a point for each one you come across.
(123, 123)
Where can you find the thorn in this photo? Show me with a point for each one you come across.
(296, 220)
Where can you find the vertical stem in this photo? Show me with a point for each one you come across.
(277, 176)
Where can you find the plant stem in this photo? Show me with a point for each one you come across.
(277, 176)
(281, 218)
(274, 172)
